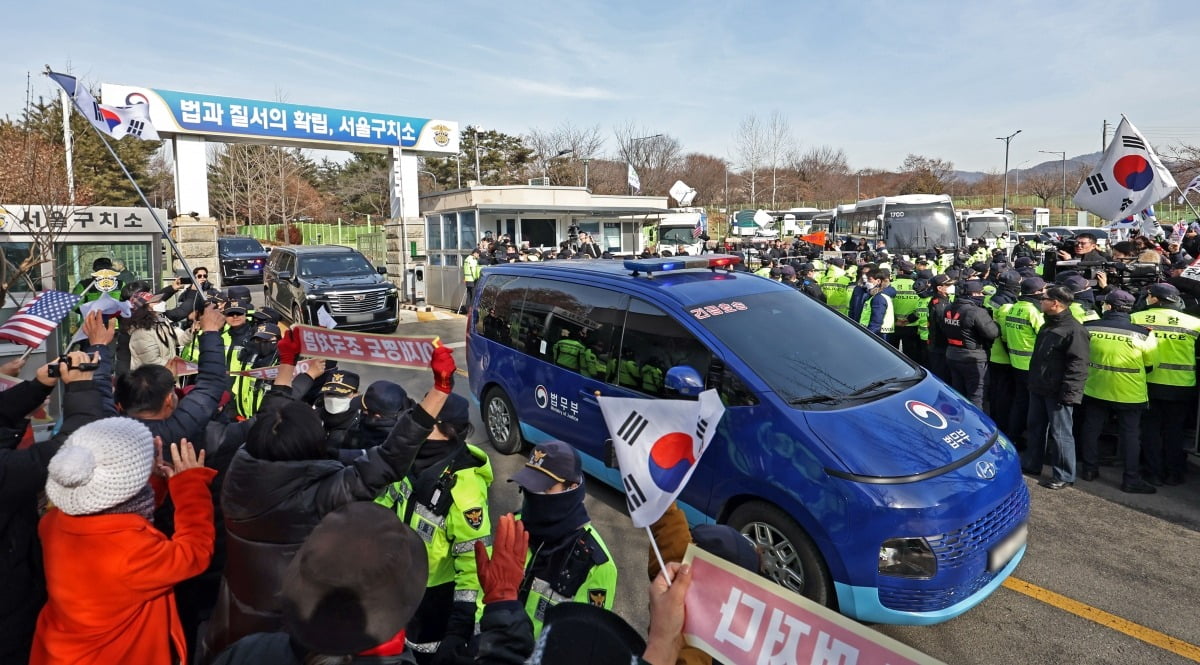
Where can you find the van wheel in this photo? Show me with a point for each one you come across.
(297, 316)
(500, 420)
(789, 556)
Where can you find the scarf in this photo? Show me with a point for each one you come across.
(551, 518)
(141, 503)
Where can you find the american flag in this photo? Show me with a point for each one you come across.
(698, 230)
(34, 322)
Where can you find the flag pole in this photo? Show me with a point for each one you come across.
(1185, 200)
(161, 227)
(658, 554)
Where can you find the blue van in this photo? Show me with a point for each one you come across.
(870, 486)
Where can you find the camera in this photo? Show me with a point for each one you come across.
(52, 368)
(186, 281)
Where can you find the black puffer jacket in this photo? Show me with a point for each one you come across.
(271, 507)
(22, 477)
(1059, 365)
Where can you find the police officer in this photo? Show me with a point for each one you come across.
(444, 498)
(569, 560)
(879, 311)
(1084, 306)
(942, 295)
(1019, 326)
(471, 272)
(652, 376)
(567, 351)
(906, 302)
(808, 282)
(969, 331)
(1122, 354)
(1000, 372)
(259, 351)
(339, 412)
(836, 285)
(1172, 384)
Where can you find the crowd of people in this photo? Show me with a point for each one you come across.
(210, 516)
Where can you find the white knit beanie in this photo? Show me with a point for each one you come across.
(101, 465)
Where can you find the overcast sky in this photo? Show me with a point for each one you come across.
(880, 79)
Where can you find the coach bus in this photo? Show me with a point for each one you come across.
(907, 223)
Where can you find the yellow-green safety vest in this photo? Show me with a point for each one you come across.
(1019, 326)
(1176, 334)
(1118, 362)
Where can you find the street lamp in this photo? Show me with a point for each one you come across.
(1063, 155)
(631, 144)
(585, 171)
(428, 173)
(546, 163)
(1007, 139)
(458, 168)
(1017, 175)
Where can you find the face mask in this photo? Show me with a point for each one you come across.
(950, 290)
(159, 307)
(336, 404)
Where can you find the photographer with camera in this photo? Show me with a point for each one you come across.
(22, 477)
(1083, 248)
(191, 291)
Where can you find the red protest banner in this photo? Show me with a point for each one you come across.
(743, 619)
(181, 367)
(365, 348)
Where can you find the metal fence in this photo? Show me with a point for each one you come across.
(313, 233)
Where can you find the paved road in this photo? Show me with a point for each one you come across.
(1122, 560)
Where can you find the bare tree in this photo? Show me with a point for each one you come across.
(751, 148)
(1045, 185)
(655, 157)
(822, 172)
(779, 146)
(926, 175)
(560, 152)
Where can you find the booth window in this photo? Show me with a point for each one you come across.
(450, 239)
(467, 231)
(433, 239)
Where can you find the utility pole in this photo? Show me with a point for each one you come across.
(1007, 139)
(1104, 136)
(478, 176)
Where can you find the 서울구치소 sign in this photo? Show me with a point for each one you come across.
(174, 112)
(77, 219)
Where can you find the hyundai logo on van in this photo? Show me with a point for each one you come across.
(985, 469)
(926, 414)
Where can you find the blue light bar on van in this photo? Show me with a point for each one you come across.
(682, 263)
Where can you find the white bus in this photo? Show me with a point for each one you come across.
(907, 223)
(988, 227)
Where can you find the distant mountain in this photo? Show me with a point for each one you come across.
(1051, 166)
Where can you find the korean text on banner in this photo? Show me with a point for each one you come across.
(269, 373)
(365, 348)
(740, 618)
(658, 443)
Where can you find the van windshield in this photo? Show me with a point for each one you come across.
(334, 265)
(805, 352)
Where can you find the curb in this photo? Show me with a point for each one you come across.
(416, 308)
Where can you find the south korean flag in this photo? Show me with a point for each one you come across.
(658, 443)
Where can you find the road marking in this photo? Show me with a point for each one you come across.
(1134, 630)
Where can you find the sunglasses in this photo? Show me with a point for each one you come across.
(202, 275)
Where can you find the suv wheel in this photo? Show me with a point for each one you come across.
(500, 421)
(788, 556)
(297, 315)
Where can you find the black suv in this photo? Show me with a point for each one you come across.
(242, 259)
(300, 280)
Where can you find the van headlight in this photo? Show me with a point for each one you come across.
(907, 557)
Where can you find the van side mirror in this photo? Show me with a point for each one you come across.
(284, 275)
(610, 455)
(684, 380)
(382, 270)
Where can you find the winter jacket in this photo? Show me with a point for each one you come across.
(155, 346)
(1058, 367)
(22, 477)
(967, 326)
(197, 408)
(110, 579)
(270, 508)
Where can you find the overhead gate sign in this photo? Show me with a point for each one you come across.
(280, 123)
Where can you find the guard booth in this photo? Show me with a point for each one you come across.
(77, 236)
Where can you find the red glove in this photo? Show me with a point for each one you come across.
(443, 368)
(288, 348)
(502, 574)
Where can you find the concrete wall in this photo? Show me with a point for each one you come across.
(401, 235)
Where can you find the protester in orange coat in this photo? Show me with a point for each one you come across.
(109, 573)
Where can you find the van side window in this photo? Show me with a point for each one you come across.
(501, 296)
(579, 325)
(653, 343)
